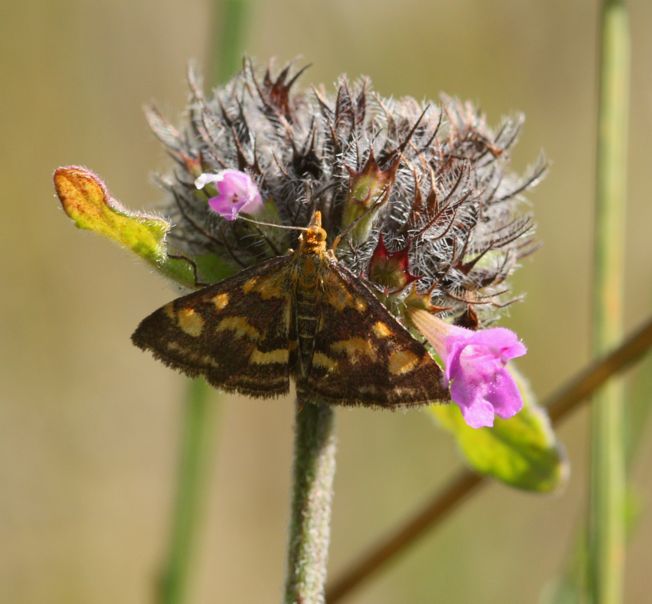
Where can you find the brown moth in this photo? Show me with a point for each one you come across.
(302, 316)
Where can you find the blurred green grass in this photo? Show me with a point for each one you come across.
(89, 425)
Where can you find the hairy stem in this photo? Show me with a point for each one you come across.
(607, 486)
(314, 470)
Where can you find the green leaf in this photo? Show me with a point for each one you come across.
(211, 269)
(522, 451)
(87, 201)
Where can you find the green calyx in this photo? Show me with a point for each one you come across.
(368, 189)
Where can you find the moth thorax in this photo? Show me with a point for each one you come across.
(306, 313)
(313, 241)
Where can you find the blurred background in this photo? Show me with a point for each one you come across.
(89, 426)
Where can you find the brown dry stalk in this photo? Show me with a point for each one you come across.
(559, 406)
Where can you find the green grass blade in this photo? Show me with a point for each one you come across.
(196, 448)
(608, 488)
(198, 439)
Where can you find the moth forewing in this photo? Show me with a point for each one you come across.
(234, 333)
(301, 315)
(362, 354)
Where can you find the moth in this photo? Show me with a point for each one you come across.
(302, 316)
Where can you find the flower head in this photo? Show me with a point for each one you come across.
(475, 369)
(429, 177)
(429, 180)
(236, 192)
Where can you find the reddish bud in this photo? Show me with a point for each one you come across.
(390, 269)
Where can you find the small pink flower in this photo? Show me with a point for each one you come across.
(236, 192)
(475, 367)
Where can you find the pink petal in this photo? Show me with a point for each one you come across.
(479, 414)
(224, 207)
(475, 367)
(500, 340)
(504, 395)
(203, 179)
(237, 192)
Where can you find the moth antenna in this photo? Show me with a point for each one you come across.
(271, 224)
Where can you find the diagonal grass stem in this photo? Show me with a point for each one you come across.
(560, 405)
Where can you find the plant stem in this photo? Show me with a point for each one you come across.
(559, 406)
(196, 440)
(230, 18)
(607, 487)
(314, 470)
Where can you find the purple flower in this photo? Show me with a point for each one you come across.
(236, 192)
(475, 367)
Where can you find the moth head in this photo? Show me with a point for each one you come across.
(313, 240)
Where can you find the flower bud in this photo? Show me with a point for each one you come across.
(368, 188)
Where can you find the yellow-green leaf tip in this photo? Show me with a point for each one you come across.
(87, 201)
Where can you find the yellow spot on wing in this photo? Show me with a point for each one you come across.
(192, 355)
(355, 348)
(249, 285)
(168, 309)
(190, 321)
(270, 289)
(221, 300)
(339, 297)
(280, 356)
(381, 330)
(266, 287)
(319, 359)
(240, 326)
(402, 361)
(209, 361)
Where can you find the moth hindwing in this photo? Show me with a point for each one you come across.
(303, 316)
